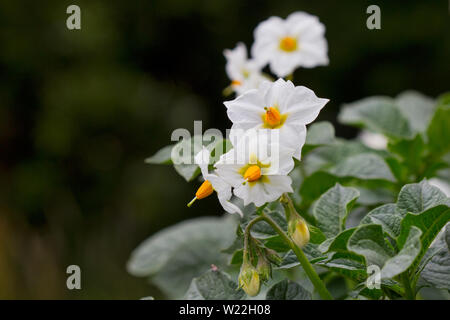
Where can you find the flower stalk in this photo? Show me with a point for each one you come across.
(309, 270)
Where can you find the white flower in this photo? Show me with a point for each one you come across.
(213, 183)
(245, 74)
(287, 44)
(257, 168)
(276, 105)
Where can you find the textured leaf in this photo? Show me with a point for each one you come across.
(379, 114)
(175, 255)
(403, 260)
(430, 222)
(331, 209)
(418, 197)
(310, 250)
(213, 285)
(388, 217)
(345, 263)
(288, 290)
(163, 156)
(428, 209)
(437, 270)
(338, 243)
(368, 241)
(366, 166)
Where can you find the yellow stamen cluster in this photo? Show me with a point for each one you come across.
(272, 117)
(203, 191)
(236, 83)
(252, 173)
(288, 44)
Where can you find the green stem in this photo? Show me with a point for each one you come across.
(289, 206)
(310, 272)
(409, 294)
(247, 236)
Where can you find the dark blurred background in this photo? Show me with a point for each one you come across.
(81, 110)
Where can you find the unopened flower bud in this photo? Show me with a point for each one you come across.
(249, 279)
(273, 256)
(264, 269)
(298, 231)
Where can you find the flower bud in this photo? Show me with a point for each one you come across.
(298, 231)
(264, 269)
(273, 256)
(249, 279)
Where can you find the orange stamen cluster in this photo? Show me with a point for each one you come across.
(252, 173)
(272, 117)
(288, 44)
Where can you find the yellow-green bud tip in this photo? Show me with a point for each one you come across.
(299, 232)
(249, 280)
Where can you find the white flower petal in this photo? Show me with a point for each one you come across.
(230, 207)
(246, 108)
(285, 63)
(303, 106)
(202, 160)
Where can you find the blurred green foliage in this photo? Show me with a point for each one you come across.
(81, 110)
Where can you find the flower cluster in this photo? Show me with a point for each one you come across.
(269, 118)
(297, 41)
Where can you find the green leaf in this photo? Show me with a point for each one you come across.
(320, 133)
(213, 285)
(346, 263)
(331, 209)
(430, 222)
(276, 243)
(403, 260)
(310, 250)
(368, 241)
(388, 217)
(163, 156)
(237, 257)
(287, 290)
(366, 166)
(411, 151)
(316, 235)
(315, 185)
(439, 130)
(418, 197)
(173, 256)
(379, 114)
(370, 197)
(416, 108)
(325, 157)
(188, 171)
(338, 243)
(437, 269)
